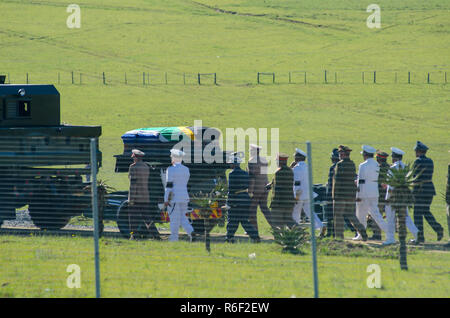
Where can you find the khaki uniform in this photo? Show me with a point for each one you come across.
(344, 194)
(257, 189)
(282, 198)
(138, 196)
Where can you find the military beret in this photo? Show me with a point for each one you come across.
(420, 146)
(368, 149)
(137, 153)
(343, 148)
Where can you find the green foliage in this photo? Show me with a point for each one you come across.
(291, 239)
(401, 180)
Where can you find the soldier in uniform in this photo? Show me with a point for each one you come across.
(176, 197)
(367, 190)
(282, 198)
(239, 201)
(381, 158)
(423, 192)
(257, 170)
(343, 194)
(329, 217)
(301, 191)
(138, 196)
(397, 155)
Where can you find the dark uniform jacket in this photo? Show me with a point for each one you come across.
(238, 180)
(330, 181)
(423, 172)
(384, 168)
(344, 187)
(282, 188)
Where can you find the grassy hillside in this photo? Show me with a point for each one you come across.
(237, 39)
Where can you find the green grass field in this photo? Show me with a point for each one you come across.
(176, 37)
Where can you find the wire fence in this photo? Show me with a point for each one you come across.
(146, 78)
(47, 195)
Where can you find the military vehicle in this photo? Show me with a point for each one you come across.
(42, 162)
(156, 143)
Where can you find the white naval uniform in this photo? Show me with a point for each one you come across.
(368, 193)
(390, 213)
(301, 184)
(178, 175)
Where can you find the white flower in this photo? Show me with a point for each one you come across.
(252, 255)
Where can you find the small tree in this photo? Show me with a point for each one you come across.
(401, 180)
(292, 239)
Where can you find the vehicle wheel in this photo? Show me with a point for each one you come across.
(46, 219)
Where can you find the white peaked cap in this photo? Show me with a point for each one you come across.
(368, 149)
(397, 151)
(253, 146)
(176, 153)
(137, 152)
(301, 152)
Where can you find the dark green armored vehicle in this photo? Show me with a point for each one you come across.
(42, 162)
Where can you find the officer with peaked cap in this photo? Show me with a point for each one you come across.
(257, 170)
(423, 192)
(239, 201)
(176, 197)
(343, 194)
(329, 206)
(397, 156)
(282, 199)
(138, 196)
(367, 191)
(301, 190)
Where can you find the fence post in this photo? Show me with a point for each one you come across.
(95, 214)
(143, 78)
(363, 77)
(374, 77)
(273, 78)
(257, 78)
(289, 77)
(215, 78)
(184, 78)
(428, 78)
(313, 236)
(198, 76)
(27, 78)
(445, 77)
(409, 77)
(325, 76)
(72, 78)
(104, 78)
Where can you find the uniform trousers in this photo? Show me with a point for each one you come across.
(346, 209)
(138, 214)
(177, 215)
(390, 218)
(304, 204)
(422, 210)
(239, 213)
(259, 199)
(370, 206)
